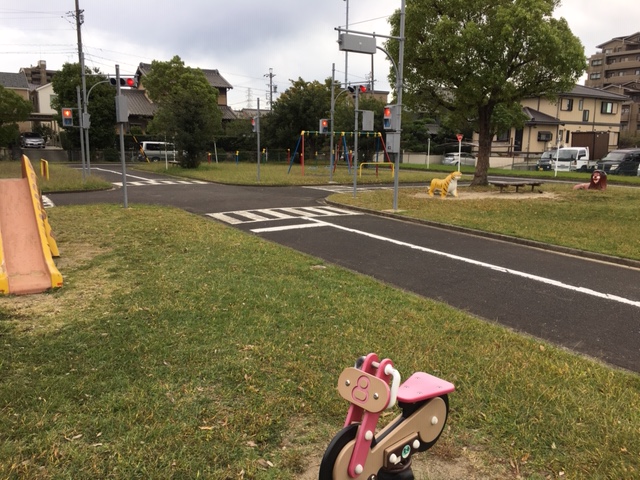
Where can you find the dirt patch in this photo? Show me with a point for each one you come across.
(507, 195)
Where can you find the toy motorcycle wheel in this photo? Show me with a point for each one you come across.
(341, 439)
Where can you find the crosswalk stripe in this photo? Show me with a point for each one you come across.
(283, 213)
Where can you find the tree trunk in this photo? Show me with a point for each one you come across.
(485, 137)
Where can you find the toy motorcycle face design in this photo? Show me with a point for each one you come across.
(356, 452)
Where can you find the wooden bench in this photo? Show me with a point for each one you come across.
(516, 183)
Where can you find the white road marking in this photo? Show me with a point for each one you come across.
(497, 268)
(270, 214)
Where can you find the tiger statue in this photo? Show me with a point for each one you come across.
(447, 186)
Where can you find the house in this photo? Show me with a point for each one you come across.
(552, 123)
(618, 64)
(17, 83)
(142, 109)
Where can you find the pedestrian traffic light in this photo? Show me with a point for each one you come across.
(323, 127)
(124, 82)
(254, 124)
(391, 117)
(67, 117)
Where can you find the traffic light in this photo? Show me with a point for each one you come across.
(390, 117)
(254, 124)
(67, 117)
(358, 88)
(124, 82)
(323, 127)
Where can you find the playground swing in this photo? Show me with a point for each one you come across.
(348, 157)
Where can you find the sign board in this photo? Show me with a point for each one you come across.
(460, 137)
(367, 121)
(356, 43)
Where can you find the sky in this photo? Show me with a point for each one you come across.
(245, 40)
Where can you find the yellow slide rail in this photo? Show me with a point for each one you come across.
(49, 245)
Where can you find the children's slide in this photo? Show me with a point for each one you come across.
(27, 246)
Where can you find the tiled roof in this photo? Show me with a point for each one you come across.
(14, 80)
(213, 76)
(588, 92)
(539, 118)
(138, 103)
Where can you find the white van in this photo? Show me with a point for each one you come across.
(157, 152)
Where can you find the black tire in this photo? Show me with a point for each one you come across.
(342, 438)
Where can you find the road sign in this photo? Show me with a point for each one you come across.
(460, 137)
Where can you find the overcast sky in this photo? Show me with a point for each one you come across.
(243, 39)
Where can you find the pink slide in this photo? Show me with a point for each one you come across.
(26, 246)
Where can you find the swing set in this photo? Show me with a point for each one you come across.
(341, 149)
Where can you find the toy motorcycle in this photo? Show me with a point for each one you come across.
(357, 452)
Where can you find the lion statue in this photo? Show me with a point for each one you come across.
(447, 186)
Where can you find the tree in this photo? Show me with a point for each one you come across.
(298, 108)
(476, 60)
(101, 104)
(188, 110)
(13, 109)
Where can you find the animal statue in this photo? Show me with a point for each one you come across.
(598, 182)
(447, 186)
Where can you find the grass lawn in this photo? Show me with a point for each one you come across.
(182, 348)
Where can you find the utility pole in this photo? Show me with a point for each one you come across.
(85, 128)
(346, 54)
(270, 75)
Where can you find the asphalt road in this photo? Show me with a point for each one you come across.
(589, 306)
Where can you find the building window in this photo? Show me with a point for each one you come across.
(580, 104)
(607, 50)
(594, 76)
(608, 108)
(638, 72)
(503, 136)
(51, 99)
(566, 104)
(585, 115)
(596, 63)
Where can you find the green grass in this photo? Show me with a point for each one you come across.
(61, 177)
(181, 348)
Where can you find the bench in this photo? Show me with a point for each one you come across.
(517, 184)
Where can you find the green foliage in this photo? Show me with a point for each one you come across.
(188, 109)
(13, 109)
(101, 105)
(469, 58)
(628, 140)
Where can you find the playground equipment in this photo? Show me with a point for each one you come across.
(342, 144)
(357, 452)
(26, 241)
(447, 186)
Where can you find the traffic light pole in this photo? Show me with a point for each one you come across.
(355, 144)
(81, 134)
(121, 128)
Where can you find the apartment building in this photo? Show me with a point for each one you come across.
(616, 68)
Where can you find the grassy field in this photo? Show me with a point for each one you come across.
(182, 348)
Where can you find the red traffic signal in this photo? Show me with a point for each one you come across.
(324, 125)
(254, 124)
(67, 117)
(124, 82)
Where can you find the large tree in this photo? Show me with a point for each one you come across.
(13, 109)
(101, 104)
(188, 110)
(477, 59)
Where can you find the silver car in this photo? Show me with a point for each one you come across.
(455, 158)
(31, 140)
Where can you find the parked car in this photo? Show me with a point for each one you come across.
(31, 140)
(455, 158)
(544, 162)
(621, 162)
(157, 151)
